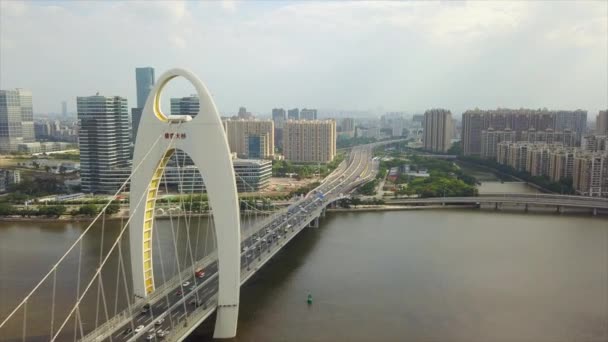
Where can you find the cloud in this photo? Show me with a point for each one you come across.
(359, 55)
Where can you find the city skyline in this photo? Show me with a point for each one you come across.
(523, 64)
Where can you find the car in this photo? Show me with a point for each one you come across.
(160, 333)
(199, 273)
(139, 328)
(150, 337)
(128, 331)
(159, 321)
(186, 284)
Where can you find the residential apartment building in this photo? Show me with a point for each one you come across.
(250, 138)
(105, 136)
(590, 174)
(310, 141)
(567, 137)
(490, 139)
(561, 164)
(538, 159)
(16, 119)
(520, 120)
(595, 143)
(437, 130)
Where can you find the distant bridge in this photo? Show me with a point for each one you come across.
(557, 201)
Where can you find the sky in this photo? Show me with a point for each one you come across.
(378, 56)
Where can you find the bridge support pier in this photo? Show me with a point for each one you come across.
(496, 206)
(558, 209)
(526, 207)
(594, 213)
(323, 212)
(314, 223)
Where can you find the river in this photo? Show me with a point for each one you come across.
(424, 275)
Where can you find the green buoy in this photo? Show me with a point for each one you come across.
(309, 300)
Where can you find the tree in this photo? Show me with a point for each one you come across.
(52, 210)
(6, 209)
(113, 208)
(355, 201)
(88, 210)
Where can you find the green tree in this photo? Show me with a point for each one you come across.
(113, 208)
(6, 209)
(88, 210)
(52, 210)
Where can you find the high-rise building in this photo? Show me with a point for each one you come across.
(241, 133)
(64, 108)
(310, 141)
(279, 118)
(244, 114)
(514, 154)
(595, 143)
(16, 119)
(601, 123)
(538, 159)
(519, 120)
(308, 114)
(490, 140)
(104, 136)
(144, 82)
(590, 174)
(567, 137)
(188, 105)
(293, 114)
(437, 130)
(144, 78)
(561, 164)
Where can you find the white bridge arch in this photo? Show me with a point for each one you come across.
(203, 138)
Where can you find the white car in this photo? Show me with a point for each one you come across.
(186, 284)
(139, 328)
(150, 336)
(159, 321)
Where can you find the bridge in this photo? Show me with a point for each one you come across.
(526, 200)
(154, 306)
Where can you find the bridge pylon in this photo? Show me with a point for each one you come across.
(202, 137)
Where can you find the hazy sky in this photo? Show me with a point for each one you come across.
(332, 55)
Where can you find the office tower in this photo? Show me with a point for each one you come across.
(188, 105)
(293, 114)
(135, 118)
(310, 141)
(104, 136)
(16, 119)
(64, 108)
(243, 134)
(244, 114)
(437, 130)
(144, 81)
(279, 118)
(590, 174)
(144, 78)
(250, 176)
(561, 164)
(308, 114)
(490, 139)
(601, 123)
